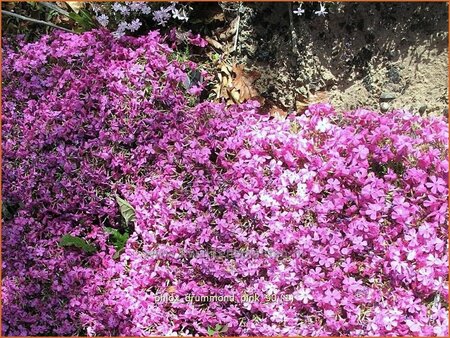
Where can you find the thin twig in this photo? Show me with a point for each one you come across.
(294, 49)
(236, 38)
(35, 21)
(293, 33)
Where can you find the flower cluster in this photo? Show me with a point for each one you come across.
(321, 12)
(128, 17)
(335, 223)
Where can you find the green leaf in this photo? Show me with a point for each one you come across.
(117, 253)
(5, 212)
(69, 240)
(118, 240)
(83, 19)
(211, 331)
(87, 17)
(224, 328)
(218, 327)
(126, 210)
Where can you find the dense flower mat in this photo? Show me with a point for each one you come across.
(334, 223)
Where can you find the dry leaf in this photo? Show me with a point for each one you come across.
(269, 107)
(225, 68)
(229, 48)
(75, 5)
(234, 84)
(224, 78)
(243, 83)
(218, 17)
(277, 113)
(214, 43)
(228, 32)
(319, 97)
(234, 94)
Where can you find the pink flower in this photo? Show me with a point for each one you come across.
(437, 185)
(331, 297)
(225, 201)
(373, 210)
(197, 40)
(361, 152)
(303, 295)
(389, 322)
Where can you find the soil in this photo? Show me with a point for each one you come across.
(381, 56)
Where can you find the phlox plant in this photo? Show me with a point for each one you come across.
(336, 222)
(128, 17)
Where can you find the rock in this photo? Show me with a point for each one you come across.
(387, 96)
(423, 108)
(384, 107)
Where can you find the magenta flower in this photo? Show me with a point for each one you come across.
(225, 201)
(197, 40)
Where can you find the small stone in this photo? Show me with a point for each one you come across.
(423, 108)
(387, 96)
(384, 107)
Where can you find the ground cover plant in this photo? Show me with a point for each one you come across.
(124, 196)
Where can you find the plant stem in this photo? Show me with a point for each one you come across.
(293, 33)
(35, 20)
(236, 38)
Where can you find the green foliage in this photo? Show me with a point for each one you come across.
(84, 20)
(69, 240)
(126, 210)
(181, 55)
(6, 214)
(117, 239)
(9, 210)
(217, 330)
(33, 18)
